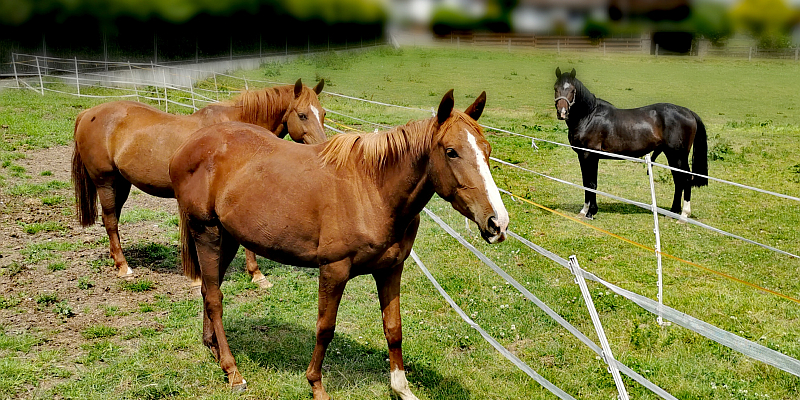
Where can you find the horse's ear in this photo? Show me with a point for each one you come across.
(558, 72)
(476, 109)
(445, 107)
(298, 88)
(572, 74)
(320, 85)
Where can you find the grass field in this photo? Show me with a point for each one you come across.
(752, 113)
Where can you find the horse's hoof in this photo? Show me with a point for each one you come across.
(196, 290)
(263, 283)
(127, 275)
(682, 220)
(240, 388)
(588, 216)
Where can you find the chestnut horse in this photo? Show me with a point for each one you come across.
(122, 143)
(661, 128)
(353, 211)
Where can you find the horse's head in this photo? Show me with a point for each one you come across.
(459, 167)
(566, 92)
(305, 117)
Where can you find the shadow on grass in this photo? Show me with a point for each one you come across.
(277, 344)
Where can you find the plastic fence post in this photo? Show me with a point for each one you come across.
(608, 357)
(77, 78)
(166, 100)
(216, 89)
(133, 80)
(39, 70)
(14, 64)
(191, 90)
(657, 231)
(153, 67)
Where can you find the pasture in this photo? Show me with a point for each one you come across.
(70, 329)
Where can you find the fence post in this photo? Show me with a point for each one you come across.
(77, 78)
(509, 45)
(245, 83)
(795, 52)
(750, 54)
(14, 64)
(607, 356)
(216, 89)
(153, 67)
(133, 80)
(657, 231)
(604, 48)
(166, 100)
(458, 42)
(191, 90)
(656, 50)
(558, 46)
(39, 70)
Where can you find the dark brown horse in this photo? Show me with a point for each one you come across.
(124, 143)
(595, 124)
(353, 211)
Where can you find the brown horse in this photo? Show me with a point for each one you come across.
(122, 143)
(353, 211)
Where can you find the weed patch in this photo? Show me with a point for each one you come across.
(141, 285)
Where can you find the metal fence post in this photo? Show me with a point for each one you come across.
(77, 78)
(246, 87)
(657, 231)
(607, 356)
(39, 70)
(14, 64)
(133, 80)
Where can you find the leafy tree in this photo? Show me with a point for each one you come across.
(767, 20)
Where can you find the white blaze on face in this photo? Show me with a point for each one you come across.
(491, 189)
(566, 85)
(316, 113)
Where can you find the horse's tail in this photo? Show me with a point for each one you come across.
(700, 156)
(85, 190)
(191, 267)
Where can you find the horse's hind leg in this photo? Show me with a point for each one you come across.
(215, 250)
(388, 283)
(589, 174)
(682, 184)
(112, 194)
(332, 281)
(255, 273)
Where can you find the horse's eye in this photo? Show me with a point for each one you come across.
(452, 153)
(302, 116)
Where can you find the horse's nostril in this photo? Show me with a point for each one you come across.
(492, 224)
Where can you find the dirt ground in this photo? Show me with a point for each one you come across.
(105, 302)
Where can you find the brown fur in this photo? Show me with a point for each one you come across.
(191, 268)
(124, 143)
(334, 216)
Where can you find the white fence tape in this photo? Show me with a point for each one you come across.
(544, 307)
(721, 336)
(507, 354)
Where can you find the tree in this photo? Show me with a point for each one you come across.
(767, 20)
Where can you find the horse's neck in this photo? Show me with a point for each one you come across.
(584, 106)
(222, 112)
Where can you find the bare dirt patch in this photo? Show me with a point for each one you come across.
(67, 264)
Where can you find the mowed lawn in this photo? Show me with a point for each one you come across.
(752, 113)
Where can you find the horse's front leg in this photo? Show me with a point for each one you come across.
(255, 273)
(389, 294)
(332, 280)
(589, 174)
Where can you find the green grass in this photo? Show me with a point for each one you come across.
(35, 189)
(47, 226)
(751, 141)
(140, 285)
